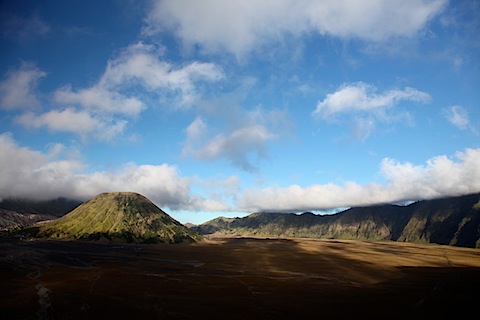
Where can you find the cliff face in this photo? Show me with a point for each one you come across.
(452, 221)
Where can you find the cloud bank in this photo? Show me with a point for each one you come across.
(440, 176)
(32, 174)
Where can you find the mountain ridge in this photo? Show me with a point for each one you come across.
(451, 221)
(54, 207)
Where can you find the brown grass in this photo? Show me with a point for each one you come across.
(238, 278)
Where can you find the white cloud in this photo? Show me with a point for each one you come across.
(360, 107)
(81, 123)
(18, 88)
(132, 80)
(140, 66)
(30, 173)
(141, 62)
(161, 183)
(363, 97)
(240, 26)
(33, 174)
(440, 176)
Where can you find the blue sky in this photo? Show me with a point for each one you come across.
(215, 108)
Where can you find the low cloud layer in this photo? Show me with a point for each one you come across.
(52, 174)
(440, 176)
(39, 175)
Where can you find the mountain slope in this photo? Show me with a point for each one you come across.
(15, 213)
(12, 219)
(116, 216)
(452, 221)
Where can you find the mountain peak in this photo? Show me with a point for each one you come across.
(117, 216)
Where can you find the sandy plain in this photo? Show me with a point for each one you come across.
(237, 278)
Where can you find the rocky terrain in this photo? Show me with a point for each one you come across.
(17, 213)
(12, 219)
(143, 264)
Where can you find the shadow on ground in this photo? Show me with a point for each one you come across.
(237, 278)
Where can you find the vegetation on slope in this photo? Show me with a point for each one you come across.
(125, 216)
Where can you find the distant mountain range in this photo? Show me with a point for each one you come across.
(450, 221)
(16, 213)
(55, 207)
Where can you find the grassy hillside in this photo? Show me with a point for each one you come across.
(116, 216)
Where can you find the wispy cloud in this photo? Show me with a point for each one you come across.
(240, 27)
(458, 116)
(78, 122)
(22, 28)
(237, 145)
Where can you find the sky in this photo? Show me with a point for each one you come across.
(223, 108)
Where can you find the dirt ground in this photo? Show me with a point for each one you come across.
(237, 278)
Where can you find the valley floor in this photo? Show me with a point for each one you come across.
(237, 278)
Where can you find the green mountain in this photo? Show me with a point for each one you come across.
(124, 216)
(452, 221)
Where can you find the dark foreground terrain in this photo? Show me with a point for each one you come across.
(237, 278)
